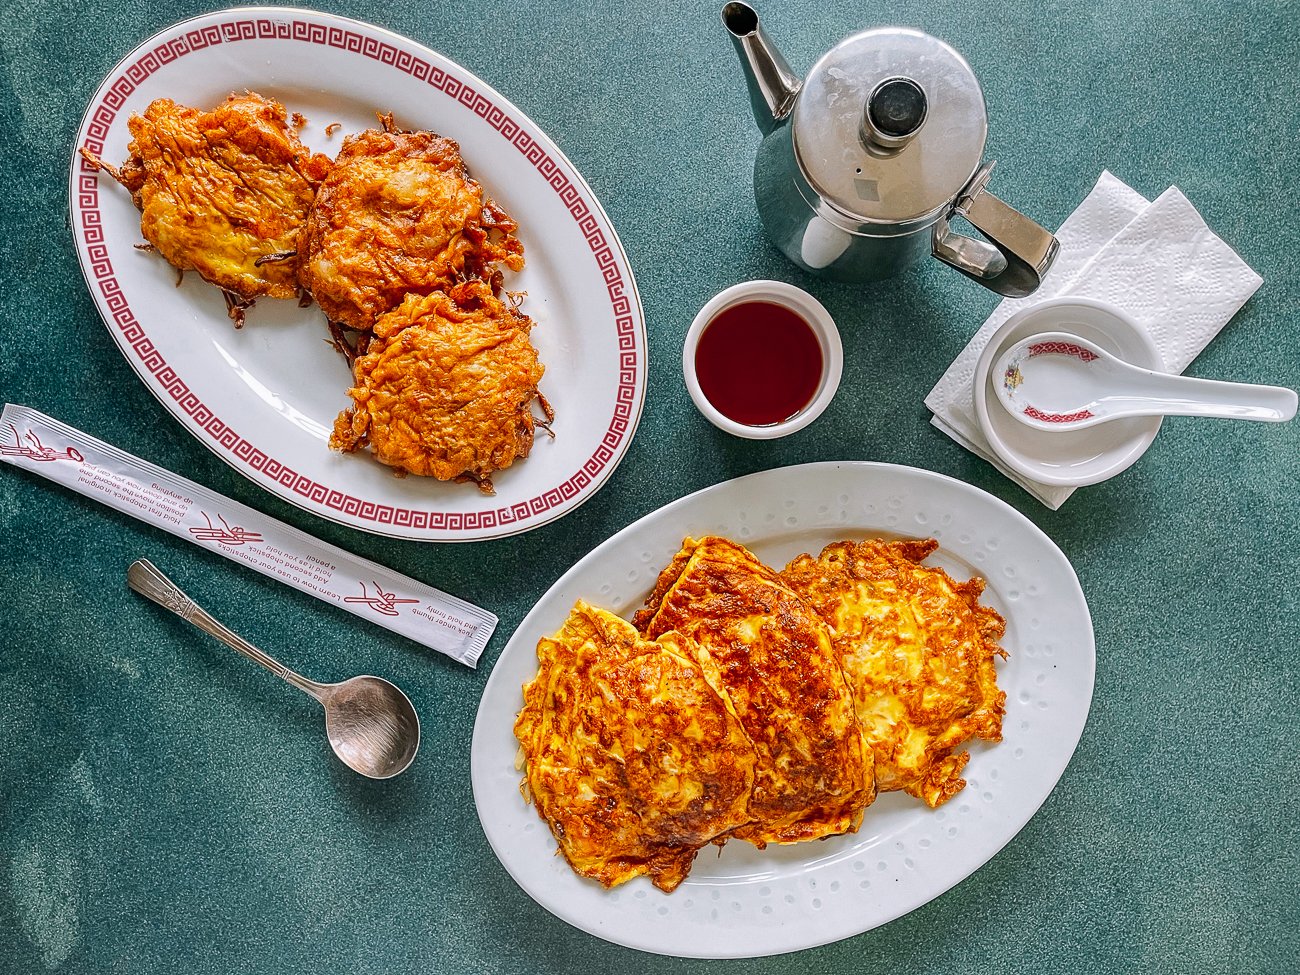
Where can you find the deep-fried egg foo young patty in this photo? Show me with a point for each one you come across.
(220, 191)
(631, 756)
(814, 775)
(918, 649)
(446, 386)
(399, 215)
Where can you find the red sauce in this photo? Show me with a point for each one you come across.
(758, 363)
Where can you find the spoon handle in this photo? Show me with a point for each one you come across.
(1186, 396)
(148, 580)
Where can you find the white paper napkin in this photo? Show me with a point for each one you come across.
(1157, 261)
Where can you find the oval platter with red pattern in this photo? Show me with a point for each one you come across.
(263, 398)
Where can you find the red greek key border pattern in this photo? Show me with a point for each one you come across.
(106, 111)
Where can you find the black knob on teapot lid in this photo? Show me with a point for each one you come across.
(895, 112)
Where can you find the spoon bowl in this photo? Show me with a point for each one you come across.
(1058, 381)
(372, 726)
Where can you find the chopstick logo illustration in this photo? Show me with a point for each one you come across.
(37, 450)
(380, 602)
(225, 535)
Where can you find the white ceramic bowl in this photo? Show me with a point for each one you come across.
(1067, 457)
(806, 307)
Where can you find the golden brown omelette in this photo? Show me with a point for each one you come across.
(446, 386)
(777, 663)
(398, 215)
(631, 756)
(224, 193)
(918, 649)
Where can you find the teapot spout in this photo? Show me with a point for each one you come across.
(772, 85)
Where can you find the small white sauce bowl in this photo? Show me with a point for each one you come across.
(807, 308)
(1067, 458)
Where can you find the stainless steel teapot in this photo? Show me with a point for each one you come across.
(864, 162)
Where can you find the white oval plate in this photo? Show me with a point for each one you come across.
(747, 903)
(264, 398)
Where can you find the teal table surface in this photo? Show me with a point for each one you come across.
(167, 807)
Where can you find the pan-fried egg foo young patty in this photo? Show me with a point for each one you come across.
(224, 193)
(399, 215)
(446, 386)
(631, 756)
(814, 776)
(919, 651)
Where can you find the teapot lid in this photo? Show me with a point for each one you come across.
(889, 126)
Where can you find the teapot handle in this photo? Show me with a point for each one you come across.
(1018, 253)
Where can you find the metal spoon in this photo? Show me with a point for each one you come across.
(371, 724)
(1058, 381)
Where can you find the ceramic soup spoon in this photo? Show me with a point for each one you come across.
(1059, 381)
